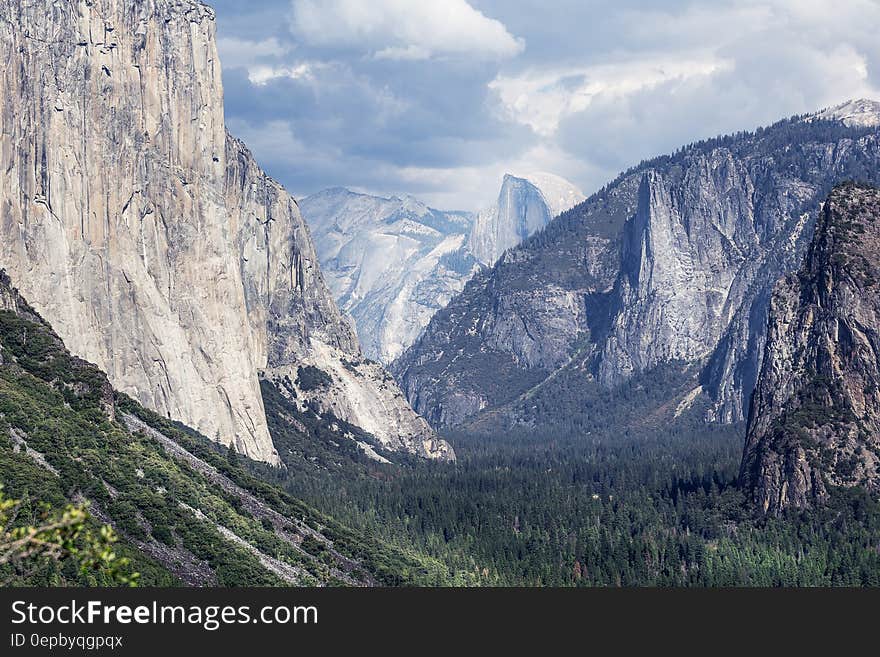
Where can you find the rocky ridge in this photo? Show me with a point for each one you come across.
(673, 261)
(814, 422)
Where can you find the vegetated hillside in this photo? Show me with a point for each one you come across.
(644, 498)
(815, 417)
(618, 487)
(672, 262)
(188, 511)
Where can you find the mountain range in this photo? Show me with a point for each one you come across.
(674, 261)
(251, 389)
(391, 263)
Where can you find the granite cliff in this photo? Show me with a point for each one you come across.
(151, 239)
(814, 422)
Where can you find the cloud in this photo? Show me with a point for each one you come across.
(678, 72)
(262, 75)
(541, 99)
(261, 59)
(241, 53)
(792, 62)
(439, 98)
(412, 53)
(401, 29)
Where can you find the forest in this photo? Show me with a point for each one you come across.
(590, 488)
(612, 502)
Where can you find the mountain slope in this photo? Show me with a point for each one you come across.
(673, 261)
(151, 239)
(392, 263)
(814, 422)
(187, 512)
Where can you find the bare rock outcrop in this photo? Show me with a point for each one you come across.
(814, 422)
(147, 236)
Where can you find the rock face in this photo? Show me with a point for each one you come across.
(814, 422)
(698, 258)
(113, 217)
(10, 299)
(522, 209)
(392, 263)
(673, 261)
(296, 324)
(144, 233)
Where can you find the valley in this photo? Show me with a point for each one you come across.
(207, 380)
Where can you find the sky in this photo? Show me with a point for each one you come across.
(440, 98)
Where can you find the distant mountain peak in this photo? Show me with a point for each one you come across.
(389, 261)
(410, 203)
(393, 262)
(858, 113)
(338, 189)
(559, 193)
(525, 204)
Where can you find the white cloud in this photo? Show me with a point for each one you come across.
(412, 53)
(261, 60)
(541, 99)
(401, 29)
(242, 53)
(261, 75)
(595, 92)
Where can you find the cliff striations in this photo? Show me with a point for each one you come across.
(148, 237)
(814, 421)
